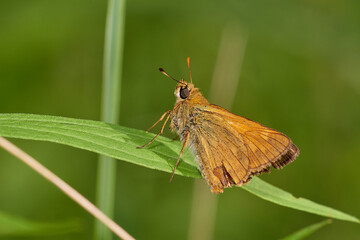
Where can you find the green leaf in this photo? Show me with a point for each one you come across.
(307, 231)
(121, 142)
(103, 138)
(276, 195)
(17, 226)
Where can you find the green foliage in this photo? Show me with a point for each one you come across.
(103, 138)
(273, 194)
(16, 226)
(307, 231)
(300, 75)
(121, 142)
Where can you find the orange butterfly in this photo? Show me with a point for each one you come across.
(229, 149)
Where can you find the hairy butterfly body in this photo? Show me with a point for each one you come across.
(228, 149)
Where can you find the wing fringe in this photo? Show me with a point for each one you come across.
(287, 157)
(284, 159)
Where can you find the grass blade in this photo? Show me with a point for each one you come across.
(103, 138)
(113, 52)
(307, 231)
(17, 226)
(121, 142)
(276, 195)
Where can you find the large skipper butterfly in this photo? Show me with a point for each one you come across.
(229, 149)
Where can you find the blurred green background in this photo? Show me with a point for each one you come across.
(300, 75)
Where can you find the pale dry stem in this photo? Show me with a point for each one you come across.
(66, 188)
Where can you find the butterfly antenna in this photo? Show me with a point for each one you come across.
(165, 73)
(188, 62)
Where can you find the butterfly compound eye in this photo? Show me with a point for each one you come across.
(184, 93)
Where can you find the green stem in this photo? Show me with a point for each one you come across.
(110, 108)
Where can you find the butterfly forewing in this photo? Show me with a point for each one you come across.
(231, 148)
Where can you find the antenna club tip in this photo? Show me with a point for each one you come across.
(161, 69)
(188, 62)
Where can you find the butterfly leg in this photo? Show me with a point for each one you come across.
(162, 128)
(186, 138)
(160, 119)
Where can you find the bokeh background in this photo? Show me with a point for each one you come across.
(300, 74)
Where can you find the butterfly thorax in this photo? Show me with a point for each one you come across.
(183, 115)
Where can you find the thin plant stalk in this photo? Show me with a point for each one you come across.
(64, 187)
(222, 92)
(110, 108)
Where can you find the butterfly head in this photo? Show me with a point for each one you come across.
(183, 90)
